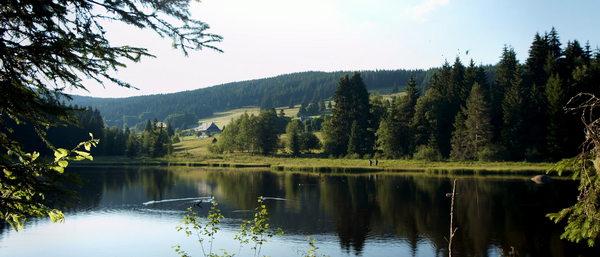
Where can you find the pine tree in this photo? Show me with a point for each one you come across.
(321, 105)
(556, 137)
(148, 127)
(503, 79)
(513, 128)
(292, 132)
(426, 125)
(534, 66)
(460, 144)
(291, 103)
(396, 132)
(352, 104)
(354, 139)
(478, 121)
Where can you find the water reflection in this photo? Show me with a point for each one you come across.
(366, 213)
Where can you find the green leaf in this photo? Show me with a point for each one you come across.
(60, 153)
(63, 164)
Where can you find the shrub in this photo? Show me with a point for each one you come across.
(492, 152)
(427, 153)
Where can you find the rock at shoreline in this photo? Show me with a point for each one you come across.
(541, 179)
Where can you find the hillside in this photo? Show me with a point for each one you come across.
(266, 92)
(275, 91)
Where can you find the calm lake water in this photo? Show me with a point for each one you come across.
(134, 212)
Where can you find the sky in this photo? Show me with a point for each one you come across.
(266, 38)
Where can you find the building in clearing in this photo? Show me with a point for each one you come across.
(208, 128)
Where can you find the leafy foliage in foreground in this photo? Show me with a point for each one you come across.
(26, 186)
(583, 218)
(256, 231)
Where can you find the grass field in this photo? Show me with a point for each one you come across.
(191, 149)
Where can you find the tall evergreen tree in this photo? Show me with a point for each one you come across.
(534, 66)
(478, 121)
(396, 133)
(292, 132)
(354, 139)
(351, 104)
(428, 112)
(322, 106)
(460, 145)
(514, 132)
(503, 80)
(556, 137)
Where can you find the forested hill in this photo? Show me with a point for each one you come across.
(267, 92)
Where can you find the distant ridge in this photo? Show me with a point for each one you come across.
(274, 91)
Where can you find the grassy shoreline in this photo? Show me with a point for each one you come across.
(325, 165)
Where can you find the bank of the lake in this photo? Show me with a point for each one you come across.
(326, 165)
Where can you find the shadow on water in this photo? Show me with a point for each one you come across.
(493, 214)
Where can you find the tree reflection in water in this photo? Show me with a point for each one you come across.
(411, 209)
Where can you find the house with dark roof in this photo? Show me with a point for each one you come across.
(208, 128)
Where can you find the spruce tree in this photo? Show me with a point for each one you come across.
(292, 132)
(505, 74)
(460, 144)
(352, 104)
(322, 106)
(396, 132)
(354, 139)
(556, 137)
(478, 121)
(514, 132)
(534, 66)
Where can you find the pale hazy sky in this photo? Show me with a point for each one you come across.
(266, 38)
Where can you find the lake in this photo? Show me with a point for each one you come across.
(134, 212)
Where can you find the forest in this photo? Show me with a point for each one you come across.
(508, 111)
(517, 116)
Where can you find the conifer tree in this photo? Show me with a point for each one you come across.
(148, 127)
(396, 133)
(321, 105)
(513, 110)
(460, 144)
(557, 133)
(428, 110)
(478, 121)
(503, 79)
(292, 132)
(354, 139)
(534, 66)
(351, 104)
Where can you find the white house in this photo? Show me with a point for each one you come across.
(208, 128)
